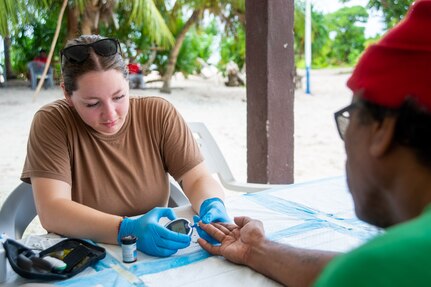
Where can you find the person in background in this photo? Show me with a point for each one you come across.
(42, 57)
(387, 135)
(136, 76)
(98, 157)
(40, 61)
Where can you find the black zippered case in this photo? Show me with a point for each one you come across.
(76, 253)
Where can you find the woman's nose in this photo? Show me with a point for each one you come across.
(109, 111)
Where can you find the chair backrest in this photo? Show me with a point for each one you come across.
(19, 209)
(214, 159)
(36, 70)
(216, 163)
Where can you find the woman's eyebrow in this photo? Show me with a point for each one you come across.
(98, 98)
(117, 92)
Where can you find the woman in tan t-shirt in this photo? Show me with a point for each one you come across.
(98, 156)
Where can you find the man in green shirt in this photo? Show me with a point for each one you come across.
(387, 134)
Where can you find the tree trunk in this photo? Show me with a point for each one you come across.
(8, 66)
(170, 69)
(72, 22)
(233, 77)
(86, 26)
(51, 50)
(90, 20)
(151, 60)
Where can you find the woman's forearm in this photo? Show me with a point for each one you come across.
(59, 214)
(204, 188)
(72, 219)
(198, 185)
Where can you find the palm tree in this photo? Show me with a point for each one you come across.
(84, 16)
(198, 7)
(144, 12)
(173, 56)
(12, 12)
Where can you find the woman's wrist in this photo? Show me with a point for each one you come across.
(118, 228)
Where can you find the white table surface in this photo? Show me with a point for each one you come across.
(317, 214)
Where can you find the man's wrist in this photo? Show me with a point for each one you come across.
(256, 251)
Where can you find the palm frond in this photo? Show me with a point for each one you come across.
(145, 12)
(16, 12)
(8, 11)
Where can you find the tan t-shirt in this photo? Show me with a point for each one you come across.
(125, 173)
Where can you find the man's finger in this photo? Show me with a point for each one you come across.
(229, 226)
(214, 232)
(215, 250)
(242, 220)
(222, 227)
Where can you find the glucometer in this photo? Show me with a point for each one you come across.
(180, 225)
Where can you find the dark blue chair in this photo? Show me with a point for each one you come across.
(36, 69)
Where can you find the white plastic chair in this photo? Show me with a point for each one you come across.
(3, 77)
(216, 162)
(19, 209)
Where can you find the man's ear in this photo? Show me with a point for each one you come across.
(66, 95)
(382, 137)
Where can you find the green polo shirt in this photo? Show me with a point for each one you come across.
(400, 257)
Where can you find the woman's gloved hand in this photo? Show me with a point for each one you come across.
(153, 238)
(211, 210)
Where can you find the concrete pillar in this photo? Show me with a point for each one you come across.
(270, 90)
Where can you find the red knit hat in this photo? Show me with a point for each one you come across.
(399, 65)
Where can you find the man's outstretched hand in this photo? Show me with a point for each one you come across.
(236, 240)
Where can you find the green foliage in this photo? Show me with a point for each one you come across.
(146, 12)
(140, 27)
(347, 36)
(134, 38)
(197, 47)
(29, 39)
(14, 12)
(337, 38)
(393, 11)
(136, 33)
(232, 48)
(319, 36)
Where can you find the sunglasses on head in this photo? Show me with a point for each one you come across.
(80, 52)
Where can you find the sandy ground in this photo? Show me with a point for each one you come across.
(318, 151)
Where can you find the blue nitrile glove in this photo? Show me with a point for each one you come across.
(211, 210)
(153, 238)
